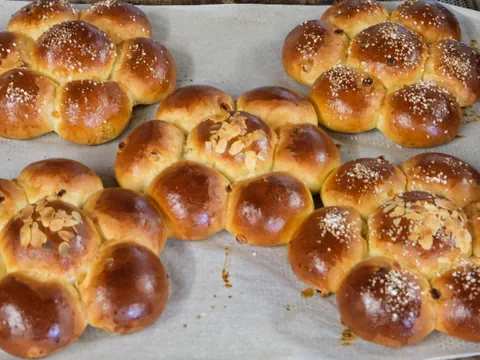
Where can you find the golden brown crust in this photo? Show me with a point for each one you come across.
(74, 50)
(277, 106)
(146, 68)
(456, 67)
(423, 230)
(70, 180)
(146, 151)
(429, 18)
(473, 215)
(39, 315)
(15, 50)
(12, 200)
(347, 100)
(444, 175)
(389, 52)
(126, 288)
(40, 15)
(326, 246)
(193, 199)
(26, 104)
(52, 237)
(420, 115)
(239, 147)
(188, 106)
(119, 20)
(383, 302)
(307, 151)
(354, 16)
(91, 112)
(266, 210)
(311, 48)
(123, 214)
(363, 184)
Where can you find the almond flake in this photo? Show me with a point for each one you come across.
(66, 235)
(70, 222)
(57, 225)
(236, 147)
(26, 212)
(25, 235)
(63, 249)
(46, 216)
(38, 237)
(76, 215)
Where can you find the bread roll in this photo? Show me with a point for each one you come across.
(444, 175)
(363, 184)
(12, 200)
(347, 100)
(190, 105)
(126, 288)
(456, 67)
(51, 237)
(40, 314)
(311, 48)
(38, 16)
(74, 50)
(91, 112)
(122, 214)
(15, 50)
(69, 180)
(193, 198)
(429, 18)
(423, 230)
(457, 293)
(326, 246)
(386, 303)
(277, 106)
(26, 104)
(354, 16)
(421, 115)
(146, 68)
(266, 210)
(119, 20)
(389, 52)
(240, 146)
(146, 151)
(308, 152)
(473, 215)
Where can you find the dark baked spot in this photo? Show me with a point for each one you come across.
(368, 81)
(339, 31)
(61, 193)
(435, 294)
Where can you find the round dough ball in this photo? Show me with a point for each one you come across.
(126, 288)
(190, 105)
(12, 200)
(67, 179)
(51, 237)
(91, 112)
(456, 67)
(119, 20)
(347, 100)
(383, 302)
(354, 16)
(389, 52)
(26, 104)
(444, 175)
(311, 48)
(277, 106)
(473, 215)
(74, 50)
(40, 314)
(37, 17)
(15, 51)
(193, 199)
(363, 184)
(239, 147)
(306, 151)
(457, 293)
(146, 68)
(266, 210)
(429, 18)
(326, 246)
(146, 151)
(420, 229)
(421, 115)
(122, 214)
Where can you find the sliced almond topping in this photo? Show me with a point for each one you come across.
(221, 146)
(25, 235)
(46, 216)
(26, 212)
(396, 221)
(41, 205)
(250, 160)
(57, 225)
(63, 249)
(70, 222)
(76, 215)
(38, 237)
(27, 221)
(66, 235)
(236, 147)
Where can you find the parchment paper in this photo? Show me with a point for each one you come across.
(262, 315)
